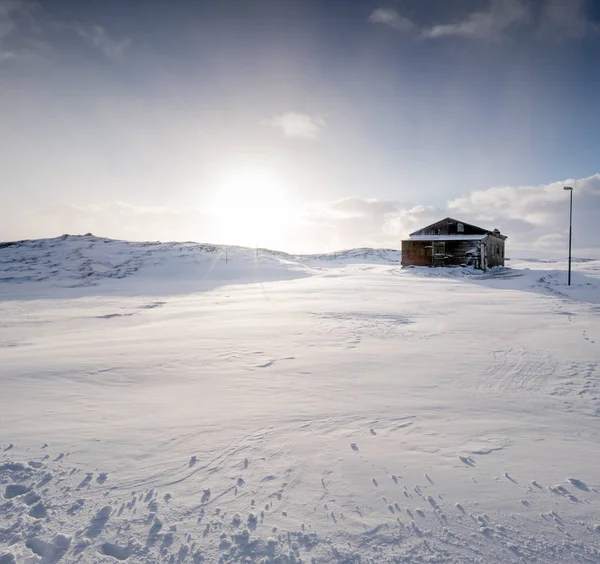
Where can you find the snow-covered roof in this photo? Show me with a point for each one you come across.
(448, 237)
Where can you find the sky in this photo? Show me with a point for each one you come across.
(300, 125)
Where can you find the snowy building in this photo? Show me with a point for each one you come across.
(450, 242)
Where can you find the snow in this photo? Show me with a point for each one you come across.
(159, 404)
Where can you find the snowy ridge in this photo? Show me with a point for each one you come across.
(86, 259)
(159, 404)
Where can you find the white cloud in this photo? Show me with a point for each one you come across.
(112, 219)
(566, 19)
(535, 218)
(299, 125)
(99, 38)
(558, 20)
(491, 24)
(393, 19)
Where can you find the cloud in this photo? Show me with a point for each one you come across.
(27, 29)
(299, 125)
(491, 24)
(359, 222)
(9, 11)
(12, 14)
(566, 19)
(393, 19)
(535, 218)
(99, 38)
(112, 219)
(556, 20)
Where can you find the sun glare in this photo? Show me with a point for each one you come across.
(251, 207)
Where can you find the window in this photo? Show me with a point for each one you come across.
(460, 228)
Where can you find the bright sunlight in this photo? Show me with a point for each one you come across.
(251, 207)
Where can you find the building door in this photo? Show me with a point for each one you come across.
(439, 253)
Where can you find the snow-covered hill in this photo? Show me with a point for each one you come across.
(180, 403)
(85, 260)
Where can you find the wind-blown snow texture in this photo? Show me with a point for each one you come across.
(191, 403)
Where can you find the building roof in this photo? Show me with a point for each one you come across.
(495, 232)
(448, 237)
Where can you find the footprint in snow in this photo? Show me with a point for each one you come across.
(152, 305)
(85, 482)
(98, 522)
(116, 551)
(38, 511)
(113, 315)
(15, 490)
(353, 446)
(578, 484)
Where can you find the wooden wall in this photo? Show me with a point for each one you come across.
(414, 253)
(495, 251)
(456, 253)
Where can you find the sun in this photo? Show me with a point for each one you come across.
(251, 207)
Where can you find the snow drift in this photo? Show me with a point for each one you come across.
(177, 402)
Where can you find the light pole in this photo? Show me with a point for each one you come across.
(570, 189)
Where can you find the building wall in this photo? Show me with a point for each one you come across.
(451, 253)
(495, 251)
(414, 253)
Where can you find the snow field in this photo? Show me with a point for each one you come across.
(280, 408)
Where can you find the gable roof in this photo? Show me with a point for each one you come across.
(448, 237)
(445, 219)
(451, 219)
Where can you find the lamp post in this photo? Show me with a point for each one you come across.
(570, 189)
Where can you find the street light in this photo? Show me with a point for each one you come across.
(570, 189)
